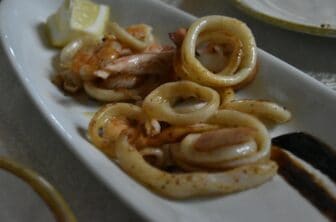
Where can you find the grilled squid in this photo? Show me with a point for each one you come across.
(188, 135)
(241, 140)
(241, 64)
(125, 65)
(110, 122)
(158, 63)
(138, 37)
(186, 185)
(226, 153)
(262, 109)
(158, 104)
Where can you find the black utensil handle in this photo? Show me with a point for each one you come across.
(311, 150)
(305, 183)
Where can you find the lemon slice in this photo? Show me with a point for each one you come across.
(75, 18)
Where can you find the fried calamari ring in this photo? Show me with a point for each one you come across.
(111, 117)
(190, 67)
(110, 95)
(172, 134)
(159, 103)
(261, 109)
(243, 140)
(130, 40)
(69, 51)
(184, 185)
(217, 157)
(220, 38)
(226, 96)
(153, 155)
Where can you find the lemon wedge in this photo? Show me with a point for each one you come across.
(75, 18)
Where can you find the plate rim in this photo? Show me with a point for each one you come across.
(285, 24)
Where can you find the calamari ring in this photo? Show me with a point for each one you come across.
(158, 104)
(232, 118)
(192, 69)
(216, 159)
(156, 155)
(231, 159)
(227, 95)
(129, 39)
(69, 51)
(222, 38)
(184, 185)
(261, 109)
(102, 118)
(110, 95)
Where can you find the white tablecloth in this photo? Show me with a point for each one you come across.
(26, 137)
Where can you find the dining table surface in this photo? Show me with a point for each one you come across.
(27, 137)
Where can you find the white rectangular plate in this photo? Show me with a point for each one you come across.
(312, 104)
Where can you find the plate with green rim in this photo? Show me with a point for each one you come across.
(316, 17)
